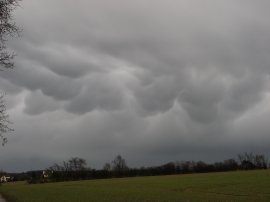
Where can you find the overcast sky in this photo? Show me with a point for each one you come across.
(152, 80)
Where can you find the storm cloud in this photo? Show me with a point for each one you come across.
(154, 81)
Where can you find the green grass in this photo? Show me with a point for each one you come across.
(230, 186)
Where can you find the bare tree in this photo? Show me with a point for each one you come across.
(119, 164)
(77, 164)
(8, 28)
(107, 167)
(261, 161)
(4, 120)
(252, 161)
(246, 160)
(56, 168)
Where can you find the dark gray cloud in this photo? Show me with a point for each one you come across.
(99, 92)
(152, 80)
(36, 103)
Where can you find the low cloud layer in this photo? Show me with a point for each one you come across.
(154, 81)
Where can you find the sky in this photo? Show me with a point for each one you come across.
(154, 81)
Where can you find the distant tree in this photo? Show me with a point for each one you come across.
(186, 166)
(119, 164)
(107, 167)
(168, 168)
(261, 161)
(73, 169)
(230, 164)
(77, 164)
(252, 161)
(201, 167)
(56, 168)
(2, 172)
(66, 167)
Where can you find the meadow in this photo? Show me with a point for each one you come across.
(218, 187)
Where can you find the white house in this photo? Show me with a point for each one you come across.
(5, 179)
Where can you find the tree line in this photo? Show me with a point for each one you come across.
(77, 169)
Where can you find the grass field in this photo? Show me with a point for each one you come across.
(218, 187)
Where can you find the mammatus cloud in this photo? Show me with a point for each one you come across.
(152, 80)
